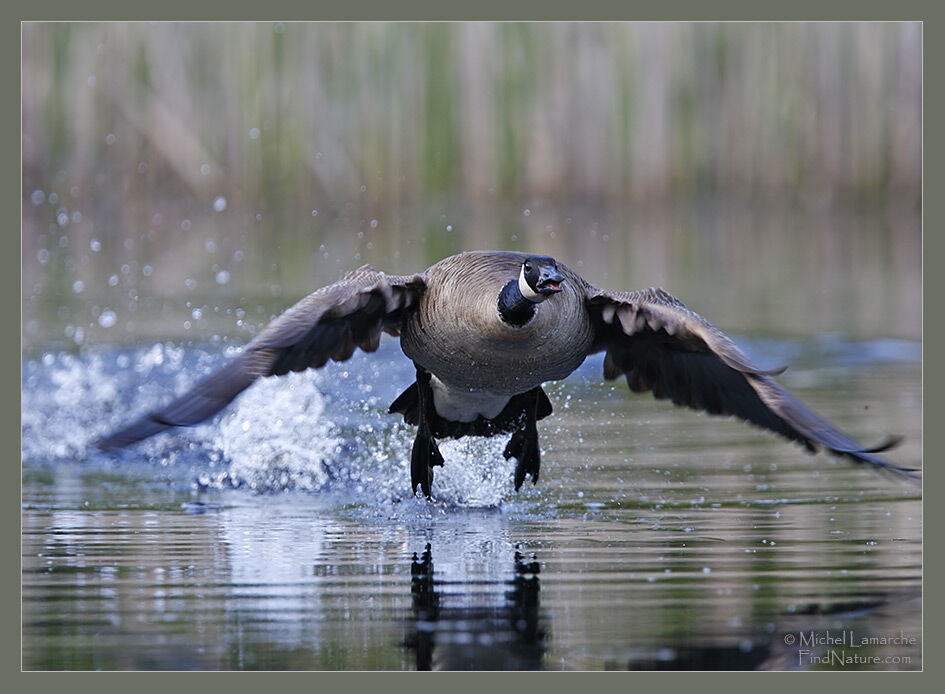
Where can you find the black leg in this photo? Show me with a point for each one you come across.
(523, 446)
(425, 454)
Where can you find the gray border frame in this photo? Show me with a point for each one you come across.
(590, 10)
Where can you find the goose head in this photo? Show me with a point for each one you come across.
(539, 278)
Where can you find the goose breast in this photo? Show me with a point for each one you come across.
(456, 332)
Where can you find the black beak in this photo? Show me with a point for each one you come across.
(549, 281)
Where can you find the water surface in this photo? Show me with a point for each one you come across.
(283, 535)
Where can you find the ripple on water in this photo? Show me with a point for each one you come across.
(661, 539)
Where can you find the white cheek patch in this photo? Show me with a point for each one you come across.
(527, 291)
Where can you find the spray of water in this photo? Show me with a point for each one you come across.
(325, 432)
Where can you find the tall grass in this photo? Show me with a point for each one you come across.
(589, 111)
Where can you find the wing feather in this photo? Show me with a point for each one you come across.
(661, 346)
(331, 323)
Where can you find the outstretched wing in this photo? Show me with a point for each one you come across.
(327, 324)
(659, 345)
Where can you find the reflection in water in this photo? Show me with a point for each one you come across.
(743, 657)
(837, 635)
(479, 635)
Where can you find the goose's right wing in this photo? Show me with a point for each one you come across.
(327, 324)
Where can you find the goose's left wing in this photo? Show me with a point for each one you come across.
(327, 324)
(659, 345)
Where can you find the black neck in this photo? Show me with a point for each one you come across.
(514, 308)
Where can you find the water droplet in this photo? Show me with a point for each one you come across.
(219, 204)
(254, 133)
(110, 139)
(147, 270)
(223, 277)
(62, 219)
(38, 197)
(374, 224)
(186, 225)
(78, 286)
(108, 318)
(42, 255)
(527, 212)
(113, 281)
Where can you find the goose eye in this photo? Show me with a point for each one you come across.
(528, 267)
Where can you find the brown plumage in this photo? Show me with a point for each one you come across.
(485, 330)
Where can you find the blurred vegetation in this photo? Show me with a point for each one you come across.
(582, 111)
(163, 161)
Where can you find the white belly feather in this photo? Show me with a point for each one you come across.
(465, 405)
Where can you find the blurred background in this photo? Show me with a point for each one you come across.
(189, 181)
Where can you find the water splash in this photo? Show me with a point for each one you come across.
(282, 435)
(70, 400)
(475, 474)
(276, 437)
(54, 423)
(324, 432)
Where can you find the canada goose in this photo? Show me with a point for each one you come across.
(485, 330)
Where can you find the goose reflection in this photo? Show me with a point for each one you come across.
(782, 649)
(476, 625)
